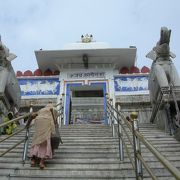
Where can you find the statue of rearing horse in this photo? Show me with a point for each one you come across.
(9, 87)
(164, 81)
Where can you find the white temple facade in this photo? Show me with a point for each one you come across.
(88, 71)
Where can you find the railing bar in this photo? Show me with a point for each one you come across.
(60, 109)
(59, 114)
(14, 120)
(122, 115)
(123, 128)
(118, 121)
(120, 142)
(58, 104)
(18, 131)
(146, 166)
(128, 153)
(26, 142)
(11, 148)
(116, 129)
(174, 171)
(128, 136)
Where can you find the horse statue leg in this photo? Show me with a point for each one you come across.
(162, 79)
(3, 80)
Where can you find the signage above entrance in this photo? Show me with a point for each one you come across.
(86, 75)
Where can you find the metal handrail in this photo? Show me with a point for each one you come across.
(27, 127)
(14, 120)
(61, 114)
(146, 166)
(119, 122)
(173, 170)
(129, 125)
(5, 152)
(129, 155)
(17, 132)
(60, 103)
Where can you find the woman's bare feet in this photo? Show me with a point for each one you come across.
(42, 164)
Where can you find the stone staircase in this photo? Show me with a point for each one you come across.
(89, 152)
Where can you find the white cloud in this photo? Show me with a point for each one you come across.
(49, 24)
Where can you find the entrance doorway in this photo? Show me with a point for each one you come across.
(86, 104)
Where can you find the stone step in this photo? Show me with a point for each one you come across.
(100, 140)
(96, 138)
(58, 154)
(53, 177)
(75, 142)
(74, 176)
(90, 152)
(72, 138)
(77, 145)
(66, 160)
(85, 174)
(73, 166)
(71, 173)
(88, 161)
(72, 126)
(102, 148)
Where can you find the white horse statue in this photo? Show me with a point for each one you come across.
(9, 87)
(164, 78)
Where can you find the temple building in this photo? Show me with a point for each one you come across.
(84, 74)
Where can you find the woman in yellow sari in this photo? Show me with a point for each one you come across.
(10, 127)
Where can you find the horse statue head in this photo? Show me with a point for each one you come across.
(162, 49)
(9, 87)
(5, 55)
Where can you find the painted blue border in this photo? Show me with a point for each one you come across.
(67, 98)
(32, 81)
(137, 88)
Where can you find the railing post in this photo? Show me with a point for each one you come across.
(137, 147)
(112, 117)
(31, 108)
(120, 135)
(107, 109)
(26, 142)
(62, 114)
(109, 112)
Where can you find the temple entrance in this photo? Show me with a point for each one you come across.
(86, 104)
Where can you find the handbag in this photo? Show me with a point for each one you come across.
(55, 138)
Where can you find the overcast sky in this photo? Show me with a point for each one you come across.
(28, 25)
